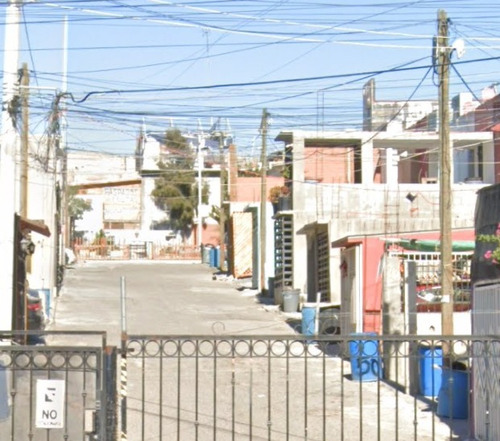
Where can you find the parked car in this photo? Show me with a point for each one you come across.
(36, 317)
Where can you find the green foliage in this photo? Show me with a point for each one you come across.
(76, 208)
(76, 205)
(494, 240)
(175, 189)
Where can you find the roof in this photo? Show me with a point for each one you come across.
(38, 226)
(107, 184)
(432, 245)
(312, 227)
(405, 139)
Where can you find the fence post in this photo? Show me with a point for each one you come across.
(123, 360)
(111, 392)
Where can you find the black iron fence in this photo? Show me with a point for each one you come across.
(363, 387)
(359, 387)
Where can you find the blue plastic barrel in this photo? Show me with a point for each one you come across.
(309, 319)
(45, 295)
(212, 257)
(430, 364)
(4, 393)
(366, 364)
(453, 397)
(217, 257)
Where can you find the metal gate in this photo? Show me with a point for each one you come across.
(245, 388)
(57, 391)
(292, 388)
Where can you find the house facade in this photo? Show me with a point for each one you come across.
(366, 183)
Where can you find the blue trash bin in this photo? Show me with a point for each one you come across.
(430, 362)
(453, 397)
(217, 257)
(4, 393)
(366, 363)
(308, 319)
(212, 257)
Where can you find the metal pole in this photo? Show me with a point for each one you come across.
(123, 307)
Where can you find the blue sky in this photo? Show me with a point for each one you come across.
(190, 62)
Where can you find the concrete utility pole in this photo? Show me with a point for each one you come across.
(263, 202)
(443, 55)
(25, 83)
(61, 151)
(222, 215)
(8, 149)
(201, 140)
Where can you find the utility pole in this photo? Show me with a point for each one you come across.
(222, 216)
(25, 82)
(8, 150)
(201, 140)
(443, 55)
(61, 124)
(263, 202)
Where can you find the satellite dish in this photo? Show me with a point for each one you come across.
(459, 47)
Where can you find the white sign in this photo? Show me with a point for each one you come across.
(50, 404)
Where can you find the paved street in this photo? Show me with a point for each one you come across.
(163, 299)
(185, 299)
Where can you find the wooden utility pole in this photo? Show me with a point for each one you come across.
(222, 216)
(263, 203)
(23, 193)
(443, 55)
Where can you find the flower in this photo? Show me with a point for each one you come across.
(493, 254)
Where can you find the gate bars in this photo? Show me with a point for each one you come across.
(82, 408)
(360, 387)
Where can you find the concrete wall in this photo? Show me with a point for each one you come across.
(93, 167)
(42, 206)
(376, 209)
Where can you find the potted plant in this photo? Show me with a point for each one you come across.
(279, 196)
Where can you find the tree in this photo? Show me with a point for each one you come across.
(76, 208)
(175, 189)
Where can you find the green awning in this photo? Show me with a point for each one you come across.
(432, 245)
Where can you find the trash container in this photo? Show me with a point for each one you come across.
(309, 319)
(205, 253)
(214, 257)
(4, 393)
(453, 397)
(217, 257)
(366, 363)
(430, 362)
(291, 299)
